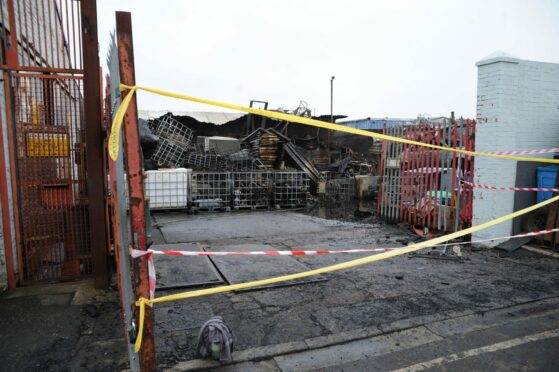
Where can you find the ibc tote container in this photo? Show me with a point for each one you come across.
(168, 188)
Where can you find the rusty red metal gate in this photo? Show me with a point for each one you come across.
(423, 186)
(44, 89)
(50, 173)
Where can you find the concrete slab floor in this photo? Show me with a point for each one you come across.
(369, 300)
(66, 327)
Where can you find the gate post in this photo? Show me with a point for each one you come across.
(94, 144)
(134, 175)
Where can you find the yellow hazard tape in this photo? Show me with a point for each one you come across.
(114, 137)
(142, 302)
(113, 140)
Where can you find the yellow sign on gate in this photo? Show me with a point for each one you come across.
(54, 145)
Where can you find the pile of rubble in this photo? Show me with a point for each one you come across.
(261, 169)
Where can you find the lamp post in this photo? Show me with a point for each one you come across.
(332, 99)
(329, 132)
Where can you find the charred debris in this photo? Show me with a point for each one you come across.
(256, 162)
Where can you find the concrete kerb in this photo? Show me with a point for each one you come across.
(429, 321)
(85, 286)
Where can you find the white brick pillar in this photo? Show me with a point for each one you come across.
(517, 109)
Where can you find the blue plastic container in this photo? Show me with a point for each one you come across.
(546, 178)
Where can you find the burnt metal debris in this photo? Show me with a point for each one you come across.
(281, 165)
(268, 168)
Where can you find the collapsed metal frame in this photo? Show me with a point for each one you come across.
(205, 160)
(168, 154)
(171, 129)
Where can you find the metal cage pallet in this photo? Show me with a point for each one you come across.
(174, 131)
(205, 160)
(211, 190)
(252, 190)
(342, 188)
(290, 189)
(169, 154)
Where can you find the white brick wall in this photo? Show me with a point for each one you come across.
(517, 109)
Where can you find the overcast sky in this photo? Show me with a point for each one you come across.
(390, 58)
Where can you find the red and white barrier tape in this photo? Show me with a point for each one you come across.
(501, 188)
(135, 253)
(525, 152)
(269, 253)
(151, 276)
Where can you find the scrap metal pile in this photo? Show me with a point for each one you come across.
(177, 145)
(262, 169)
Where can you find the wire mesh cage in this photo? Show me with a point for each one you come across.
(168, 154)
(243, 161)
(340, 187)
(174, 131)
(244, 165)
(252, 190)
(290, 189)
(211, 190)
(205, 160)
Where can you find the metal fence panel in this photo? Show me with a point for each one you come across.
(50, 175)
(423, 186)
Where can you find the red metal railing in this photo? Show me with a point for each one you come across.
(423, 186)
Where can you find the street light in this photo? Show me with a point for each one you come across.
(332, 99)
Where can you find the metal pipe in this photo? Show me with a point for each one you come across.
(329, 132)
(6, 221)
(12, 58)
(94, 145)
(332, 99)
(10, 125)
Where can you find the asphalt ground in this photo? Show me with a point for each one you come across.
(368, 301)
